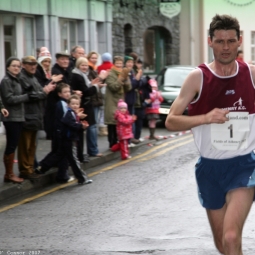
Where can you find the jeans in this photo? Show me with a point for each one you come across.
(96, 113)
(91, 136)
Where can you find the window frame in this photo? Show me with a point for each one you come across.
(69, 46)
(253, 47)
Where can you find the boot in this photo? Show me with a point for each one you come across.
(101, 131)
(105, 132)
(9, 175)
(152, 136)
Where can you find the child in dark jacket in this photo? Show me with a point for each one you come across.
(70, 125)
(124, 129)
(64, 93)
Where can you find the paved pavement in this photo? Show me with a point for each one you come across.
(10, 190)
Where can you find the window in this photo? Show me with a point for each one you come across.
(149, 50)
(253, 47)
(19, 35)
(9, 23)
(128, 39)
(29, 40)
(68, 34)
(157, 49)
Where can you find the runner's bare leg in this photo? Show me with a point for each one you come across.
(227, 223)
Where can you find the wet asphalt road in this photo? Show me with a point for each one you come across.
(146, 206)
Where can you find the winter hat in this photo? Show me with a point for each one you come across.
(9, 61)
(122, 104)
(44, 55)
(127, 58)
(153, 83)
(106, 57)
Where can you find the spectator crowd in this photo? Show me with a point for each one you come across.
(73, 101)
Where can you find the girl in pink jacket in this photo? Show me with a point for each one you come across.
(152, 111)
(124, 129)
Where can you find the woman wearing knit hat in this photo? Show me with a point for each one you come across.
(124, 129)
(43, 72)
(44, 77)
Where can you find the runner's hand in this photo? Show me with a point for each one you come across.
(216, 116)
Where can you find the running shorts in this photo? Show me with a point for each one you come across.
(216, 177)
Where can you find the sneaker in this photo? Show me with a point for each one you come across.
(128, 157)
(141, 139)
(135, 141)
(83, 182)
(62, 181)
(131, 145)
(71, 179)
(38, 170)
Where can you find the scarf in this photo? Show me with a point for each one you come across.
(47, 72)
(84, 75)
(116, 69)
(93, 66)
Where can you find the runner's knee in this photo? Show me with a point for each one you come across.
(231, 238)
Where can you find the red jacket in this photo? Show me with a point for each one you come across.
(105, 66)
(124, 125)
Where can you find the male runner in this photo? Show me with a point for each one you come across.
(221, 97)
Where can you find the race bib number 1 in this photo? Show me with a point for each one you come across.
(233, 134)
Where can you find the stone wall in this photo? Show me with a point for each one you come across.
(140, 19)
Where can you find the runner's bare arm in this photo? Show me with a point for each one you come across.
(176, 121)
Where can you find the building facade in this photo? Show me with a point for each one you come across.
(57, 24)
(195, 19)
(139, 26)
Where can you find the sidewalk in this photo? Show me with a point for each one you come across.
(10, 190)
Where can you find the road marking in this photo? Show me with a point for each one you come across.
(165, 150)
(123, 162)
(62, 186)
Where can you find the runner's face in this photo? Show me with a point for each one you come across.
(225, 45)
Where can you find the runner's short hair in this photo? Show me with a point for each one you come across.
(224, 22)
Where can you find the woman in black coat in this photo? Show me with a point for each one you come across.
(13, 99)
(44, 76)
(80, 81)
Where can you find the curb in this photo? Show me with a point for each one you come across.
(10, 190)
